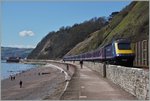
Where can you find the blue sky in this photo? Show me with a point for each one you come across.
(25, 23)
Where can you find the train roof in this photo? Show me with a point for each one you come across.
(123, 40)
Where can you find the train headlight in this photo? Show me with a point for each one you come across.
(117, 54)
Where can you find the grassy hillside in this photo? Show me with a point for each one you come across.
(134, 26)
(132, 23)
(57, 44)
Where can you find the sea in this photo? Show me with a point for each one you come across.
(8, 69)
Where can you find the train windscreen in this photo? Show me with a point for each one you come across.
(124, 46)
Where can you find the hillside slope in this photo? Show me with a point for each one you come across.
(9, 51)
(132, 23)
(57, 44)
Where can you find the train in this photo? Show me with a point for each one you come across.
(118, 52)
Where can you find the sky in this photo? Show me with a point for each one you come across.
(25, 23)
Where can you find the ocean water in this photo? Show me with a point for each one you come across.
(8, 69)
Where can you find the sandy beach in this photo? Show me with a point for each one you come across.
(38, 83)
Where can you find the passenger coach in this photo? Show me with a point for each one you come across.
(118, 52)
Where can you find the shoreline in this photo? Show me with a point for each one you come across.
(51, 82)
(16, 68)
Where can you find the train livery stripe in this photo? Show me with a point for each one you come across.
(122, 51)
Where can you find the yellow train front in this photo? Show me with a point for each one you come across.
(119, 52)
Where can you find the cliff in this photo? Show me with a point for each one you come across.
(131, 22)
(57, 44)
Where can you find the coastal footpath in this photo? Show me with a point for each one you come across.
(57, 82)
(87, 84)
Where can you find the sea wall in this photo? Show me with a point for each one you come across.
(132, 80)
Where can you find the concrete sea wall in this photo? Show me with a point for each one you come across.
(132, 80)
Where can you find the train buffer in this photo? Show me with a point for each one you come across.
(88, 85)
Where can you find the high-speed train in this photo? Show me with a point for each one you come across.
(118, 52)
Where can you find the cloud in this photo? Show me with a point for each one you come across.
(26, 33)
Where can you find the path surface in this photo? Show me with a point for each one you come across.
(88, 85)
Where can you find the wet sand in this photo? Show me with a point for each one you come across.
(48, 85)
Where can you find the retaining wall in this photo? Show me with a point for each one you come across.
(132, 80)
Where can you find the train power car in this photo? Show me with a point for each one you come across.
(118, 52)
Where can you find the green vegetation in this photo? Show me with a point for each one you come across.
(132, 23)
(57, 44)
(135, 24)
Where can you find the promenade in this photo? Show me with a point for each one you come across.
(88, 85)
(84, 85)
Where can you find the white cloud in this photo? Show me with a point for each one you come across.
(26, 33)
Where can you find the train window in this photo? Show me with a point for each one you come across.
(123, 46)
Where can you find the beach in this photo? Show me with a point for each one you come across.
(43, 82)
